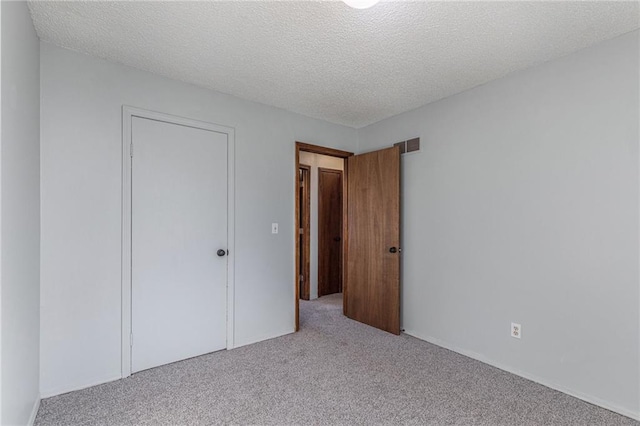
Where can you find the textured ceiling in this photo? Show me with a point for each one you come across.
(326, 60)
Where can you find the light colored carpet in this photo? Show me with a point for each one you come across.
(334, 371)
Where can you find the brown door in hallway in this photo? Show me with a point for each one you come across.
(329, 231)
(373, 244)
(304, 230)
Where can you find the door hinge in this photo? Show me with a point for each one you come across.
(301, 278)
(131, 150)
(131, 340)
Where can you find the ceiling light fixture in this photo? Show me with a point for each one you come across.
(361, 4)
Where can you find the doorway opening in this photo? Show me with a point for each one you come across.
(320, 217)
(364, 242)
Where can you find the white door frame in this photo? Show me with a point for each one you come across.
(128, 113)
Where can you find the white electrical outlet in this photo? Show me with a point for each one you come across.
(274, 228)
(516, 330)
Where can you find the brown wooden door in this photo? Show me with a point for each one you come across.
(304, 231)
(329, 231)
(373, 256)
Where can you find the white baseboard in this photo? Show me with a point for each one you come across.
(263, 338)
(34, 412)
(63, 390)
(59, 391)
(587, 398)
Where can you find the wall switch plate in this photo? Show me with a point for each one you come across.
(516, 330)
(274, 228)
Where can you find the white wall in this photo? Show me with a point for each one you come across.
(81, 207)
(20, 213)
(314, 161)
(0, 214)
(523, 206)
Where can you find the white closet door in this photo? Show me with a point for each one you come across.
(179, 222)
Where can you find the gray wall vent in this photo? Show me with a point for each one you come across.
(411, 145)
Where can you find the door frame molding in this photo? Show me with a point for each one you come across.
(316, 149)
(128, 113)
(306, 227)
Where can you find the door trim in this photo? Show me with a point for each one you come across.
(316, 149)
(128, 113)
(306, 227)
